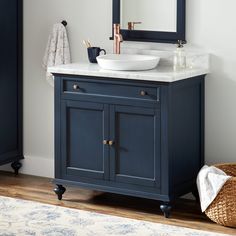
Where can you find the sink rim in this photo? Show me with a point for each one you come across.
(128, 57)
(128, 62)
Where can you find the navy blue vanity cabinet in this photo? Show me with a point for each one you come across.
(143, 139)
(11, 83)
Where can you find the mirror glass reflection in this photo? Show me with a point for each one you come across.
(150, 15)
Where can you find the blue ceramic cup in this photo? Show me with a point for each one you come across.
(93, 53)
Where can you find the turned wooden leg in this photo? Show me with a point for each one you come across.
(16, 166)
(166, 209)
(59, 190)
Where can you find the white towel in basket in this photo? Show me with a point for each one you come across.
(210, 180)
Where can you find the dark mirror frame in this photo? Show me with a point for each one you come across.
(153, 36)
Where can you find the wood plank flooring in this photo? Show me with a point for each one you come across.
(186, 213)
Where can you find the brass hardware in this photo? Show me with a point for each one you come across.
(131, 25)
(118, 39)
(75, 87)
(111, 143)
(105, 142)
(143, 93)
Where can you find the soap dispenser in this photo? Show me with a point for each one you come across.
(179, 57)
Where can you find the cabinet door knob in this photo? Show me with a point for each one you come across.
(105, 142)
(75, 86)
(111, 143)
(143, 93)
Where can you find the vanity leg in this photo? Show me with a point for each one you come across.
(16, 166)
(59, 190)
(166, 209)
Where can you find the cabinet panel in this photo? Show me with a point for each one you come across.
(84, 127)
(11, 81)
(135, 156)
(8, 77)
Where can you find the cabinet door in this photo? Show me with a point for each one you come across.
(135, 154)
(9, 100)
(84, 127)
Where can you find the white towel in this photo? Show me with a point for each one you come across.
(57, 51)
(210, 180)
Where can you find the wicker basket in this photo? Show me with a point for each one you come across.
(223, 209)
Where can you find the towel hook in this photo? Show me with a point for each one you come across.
(64, 23)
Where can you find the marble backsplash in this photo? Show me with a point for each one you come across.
(195, 57)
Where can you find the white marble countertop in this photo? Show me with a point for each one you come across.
(160, 74)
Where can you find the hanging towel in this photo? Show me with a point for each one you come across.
(57, 51)
(210, 180)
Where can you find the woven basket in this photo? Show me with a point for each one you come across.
(223, 209)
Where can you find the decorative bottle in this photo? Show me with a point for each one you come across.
(179, 57)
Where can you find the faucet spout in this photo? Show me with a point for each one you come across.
(118, 39)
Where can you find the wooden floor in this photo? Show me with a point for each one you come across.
(186, 213)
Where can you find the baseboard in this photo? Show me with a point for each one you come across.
(36, 166)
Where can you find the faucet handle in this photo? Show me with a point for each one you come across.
(131, 24)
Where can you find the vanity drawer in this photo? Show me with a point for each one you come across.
(112, 90)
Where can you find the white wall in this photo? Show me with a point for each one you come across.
(86, 19)
(210, 26)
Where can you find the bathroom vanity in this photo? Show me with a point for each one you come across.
(133, 133)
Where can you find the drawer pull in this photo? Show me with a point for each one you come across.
(111, 143)
(105, 142)
(76, 87)
(143, 93)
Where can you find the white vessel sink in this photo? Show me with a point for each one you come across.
(127, 62)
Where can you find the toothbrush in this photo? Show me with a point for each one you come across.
(87, 45)
(88, 41)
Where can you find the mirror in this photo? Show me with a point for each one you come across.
(151, 15)
(150, 20)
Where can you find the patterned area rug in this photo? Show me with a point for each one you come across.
(26, 218)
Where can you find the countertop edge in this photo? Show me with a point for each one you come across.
(152, 75)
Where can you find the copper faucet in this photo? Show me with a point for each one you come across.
(117, 38)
